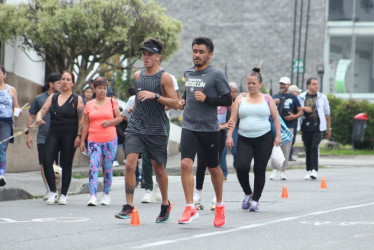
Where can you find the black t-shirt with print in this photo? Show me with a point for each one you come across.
(310, 122)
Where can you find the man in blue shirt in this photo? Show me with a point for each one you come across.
(289, 109)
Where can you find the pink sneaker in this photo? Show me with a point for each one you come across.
(219, 218)
(189, 214)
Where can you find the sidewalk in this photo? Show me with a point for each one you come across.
(29, 185)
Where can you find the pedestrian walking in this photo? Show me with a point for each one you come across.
(101, 115)
(64, 135)
(8, 104)
(255, 140)
(223, 162)
(316, 120)
(296, 91)
(290, 110)
(147, 126)
(52, 86)
(206, 87)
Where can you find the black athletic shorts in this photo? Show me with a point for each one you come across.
(41, 153)
(209, 141)
(156, 145)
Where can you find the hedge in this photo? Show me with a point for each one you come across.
(342, 113)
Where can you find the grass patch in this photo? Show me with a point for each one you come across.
(79, 176)
(117, 172)
(343, 150)
(346, 151)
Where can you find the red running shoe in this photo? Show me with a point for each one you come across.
(189, 214)
(219, 218)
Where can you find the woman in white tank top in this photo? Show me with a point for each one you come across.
(255, 140)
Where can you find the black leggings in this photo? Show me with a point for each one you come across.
(259, 149)
(65, 144)
(201, 166)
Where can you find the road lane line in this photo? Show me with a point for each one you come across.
(241, 228)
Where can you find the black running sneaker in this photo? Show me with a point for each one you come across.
(2, 181)
(126, 212)
(165, 213)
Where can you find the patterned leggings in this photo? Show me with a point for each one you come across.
(107, 151)
(5, 131)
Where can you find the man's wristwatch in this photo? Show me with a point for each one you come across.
(157, 96)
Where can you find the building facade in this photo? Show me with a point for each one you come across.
(349, 48)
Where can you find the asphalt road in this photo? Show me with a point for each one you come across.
(339, 217)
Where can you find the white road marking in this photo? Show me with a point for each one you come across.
(241, 228)
(57, 219)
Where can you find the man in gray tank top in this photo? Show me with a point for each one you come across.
(206, 88)
(147, 126)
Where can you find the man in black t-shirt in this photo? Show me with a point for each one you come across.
(316, 120)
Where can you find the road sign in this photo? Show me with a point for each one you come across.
(298, 64)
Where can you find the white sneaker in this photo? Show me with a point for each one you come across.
(157, 192)
(313, 175)
(307, 176)
(105, 200)
(92, 201)
(274, 174)
(52, 197)
(63, 200)
(197, 197)
(115, 164)
(2, 180)
(214, 202)
(148, 196)
(283, 176)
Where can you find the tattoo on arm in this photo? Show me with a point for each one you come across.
(129, 189)
(80, 120)
(80, 113)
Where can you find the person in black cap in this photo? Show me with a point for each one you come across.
(52, 85)
(147, 126)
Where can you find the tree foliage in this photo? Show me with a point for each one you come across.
(79, 34)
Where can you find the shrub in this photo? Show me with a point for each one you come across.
(342, 118)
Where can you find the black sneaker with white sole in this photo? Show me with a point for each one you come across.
(2, 181)
(164, 213)
(126, 212)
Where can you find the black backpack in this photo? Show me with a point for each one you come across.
(121, 131)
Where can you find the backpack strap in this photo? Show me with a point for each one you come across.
(111, 100)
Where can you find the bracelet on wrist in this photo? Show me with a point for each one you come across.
(79, 135)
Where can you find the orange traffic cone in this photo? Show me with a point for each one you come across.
(284, 192)
(135, 217)
(323, 183)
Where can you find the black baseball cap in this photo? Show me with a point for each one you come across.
(53, 77)
(151, 47)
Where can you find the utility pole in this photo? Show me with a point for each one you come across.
(293, 40)
(298, 52)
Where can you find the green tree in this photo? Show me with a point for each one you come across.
(80, 34)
